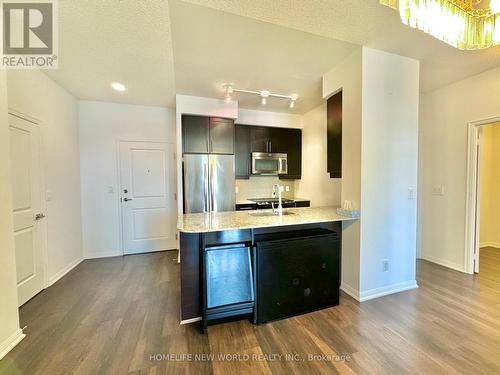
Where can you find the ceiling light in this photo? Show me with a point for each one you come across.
(463, 24)
(264, 94)
(118, 86)
(228, 89)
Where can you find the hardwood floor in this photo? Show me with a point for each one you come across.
(120, 316)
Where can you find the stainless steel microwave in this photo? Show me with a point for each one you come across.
(270, 164)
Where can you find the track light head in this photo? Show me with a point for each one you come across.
(264, 94)
(228, 89)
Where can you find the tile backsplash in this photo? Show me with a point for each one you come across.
(262, 187)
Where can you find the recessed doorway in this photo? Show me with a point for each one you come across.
(483, 196)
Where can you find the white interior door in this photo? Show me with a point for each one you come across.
(147, 196)
(26, 197)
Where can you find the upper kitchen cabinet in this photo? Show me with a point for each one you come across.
(259, 139)
(195, 134)
(270, 140)
(288, 141)
(242, 151)
(203, 135)
(221, 136)
(334, 135)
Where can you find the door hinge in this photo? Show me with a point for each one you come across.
(175, 156)
(176, 236)
(175, 196)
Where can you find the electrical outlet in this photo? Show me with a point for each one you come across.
(385, 265)
(287, 188)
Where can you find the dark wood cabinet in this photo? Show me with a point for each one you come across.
(334, 135)
(288, 141)
(221, 136)
(259, 139)
(242, 152)
(268, 139)
(203, 135)
(195, 134)
(297, 272)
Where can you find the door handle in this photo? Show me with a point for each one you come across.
(127, 199)
(205, 203)
(39, 217)
(213, 207)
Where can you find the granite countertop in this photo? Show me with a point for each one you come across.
(217, 221)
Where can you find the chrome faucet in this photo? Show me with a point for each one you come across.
(279, 209)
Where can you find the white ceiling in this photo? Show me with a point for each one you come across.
(213, 47)
(127, 41)
(366, 22)
(158, 48)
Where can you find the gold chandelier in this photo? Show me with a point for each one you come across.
(463, 24)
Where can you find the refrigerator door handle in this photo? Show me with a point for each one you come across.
(212, 176)
(206, 207)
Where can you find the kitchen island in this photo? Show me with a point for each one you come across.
(291, 262)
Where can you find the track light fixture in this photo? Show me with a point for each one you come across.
(264, 94)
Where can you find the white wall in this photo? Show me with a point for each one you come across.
(380, 96)
(269, 118)
(347, 76)
(34, 94)
(390, 107)
(102, 126)
(10, 333)
(489, 227)
(316, 183)
(444, 162)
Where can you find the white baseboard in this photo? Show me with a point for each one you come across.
(445, 263)
(64, 271)
(107, 254)
(386, 290)
(378, 292)
(490, 244)
(350, 291)
(9, 344)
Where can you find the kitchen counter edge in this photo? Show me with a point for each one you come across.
(235, 220)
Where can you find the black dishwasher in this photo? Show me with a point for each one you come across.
(297, 272)
(229, 281)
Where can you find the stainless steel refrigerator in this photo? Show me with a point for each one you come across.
(208, 183)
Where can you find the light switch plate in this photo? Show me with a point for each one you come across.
(438, 190)
(411, 194)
